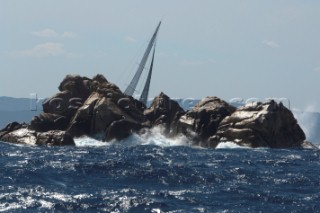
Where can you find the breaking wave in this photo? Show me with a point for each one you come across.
(154, 136)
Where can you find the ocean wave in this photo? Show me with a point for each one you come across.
(153, 136)
(230, 145)
(156, 137)
(86, 141)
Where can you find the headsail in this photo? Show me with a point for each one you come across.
(134, 82)
(145, 92)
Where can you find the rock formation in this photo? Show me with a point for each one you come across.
(203, 120)
(82, 107)
(95, 107)
(260, 125)
(165, 112)
(21, 134)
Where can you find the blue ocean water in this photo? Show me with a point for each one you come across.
(155, 174)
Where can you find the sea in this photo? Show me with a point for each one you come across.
(152, 173)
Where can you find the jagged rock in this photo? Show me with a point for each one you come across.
(47, 121)
(202, 121)
(107, 106)
(100, 79)
(63, 103)
(11, 127)
(260, 125)
(121, 129)
(89, 106)
(54, 138)
(164, 111)
(79, 87)
(81, 123)
(21, 134)
(74, 90)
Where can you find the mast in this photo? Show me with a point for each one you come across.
(145, 92)
(134, 82)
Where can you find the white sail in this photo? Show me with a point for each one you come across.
(134, 82)
(145, 92)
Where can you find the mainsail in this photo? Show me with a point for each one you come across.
(134, 82)
(145, 92)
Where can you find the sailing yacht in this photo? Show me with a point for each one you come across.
(134, 82)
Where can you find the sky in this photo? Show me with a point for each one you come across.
(234, 49)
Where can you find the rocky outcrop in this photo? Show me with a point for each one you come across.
(11, 127)
(96, 107)
(115, 117)
(203, 120)
(165, 112)
(21, 134)
(82, 107)
(89, 107)
(260, 125)
(74, 90)
(48, 121)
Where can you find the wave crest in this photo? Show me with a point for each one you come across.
(154, 136)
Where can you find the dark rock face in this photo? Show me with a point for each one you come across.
(54, 138)
(77, 86)
(108, 111)
(164, 111)
(74, 90)
(203, 120)
(260, 125)
(83, 107)
(48, 121)
(121, 129)
(60, 104)
(87, 107)
(81, 122)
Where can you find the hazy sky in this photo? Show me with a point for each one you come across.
(230, 49)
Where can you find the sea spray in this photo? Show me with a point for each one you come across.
(230, 145)
(309, 122)
(86, 141)
(154, 136)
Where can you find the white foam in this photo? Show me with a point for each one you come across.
(89, 142)
(308, 121)
(46, 204)
(229, 145)
(4, 207)
(153, 136)
(156, 137)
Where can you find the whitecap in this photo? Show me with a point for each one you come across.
(155, 136)
(89, 142)
(46, 204)
(229, 145)
(4, 207)
(156, 211)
